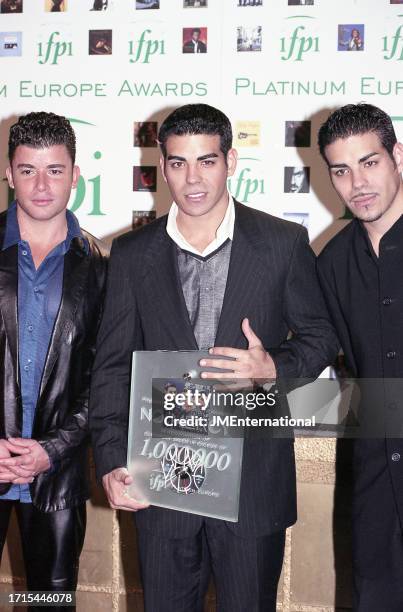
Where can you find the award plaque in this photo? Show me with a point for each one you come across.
(178, 457)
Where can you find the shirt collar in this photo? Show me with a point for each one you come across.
(74, 231)
(12, 233)
(396, 228)
(224, 232)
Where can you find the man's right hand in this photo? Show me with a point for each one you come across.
(6, 474)
(115, 484)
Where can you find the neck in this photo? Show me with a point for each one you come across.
(377, 229)
(201, 231)
(47, 233)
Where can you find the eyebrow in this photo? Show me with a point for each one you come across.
(49, 166)
(360, 161)
(201, 158)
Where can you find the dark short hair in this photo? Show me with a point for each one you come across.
(354, 119)
(196, 119)
(42, 130)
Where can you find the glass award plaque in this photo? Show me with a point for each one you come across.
(179, 454)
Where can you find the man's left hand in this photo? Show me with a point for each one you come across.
(253, 363)
(31, 458)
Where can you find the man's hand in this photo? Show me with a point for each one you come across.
(5, 474)
(30, 461)
(115, 484)
(4, 452)
(250, 364)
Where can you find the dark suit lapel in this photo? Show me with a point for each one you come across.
(8, 299)
(74, 281)
(163, 282)
(245, 271)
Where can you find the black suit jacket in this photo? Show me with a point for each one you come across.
(61, 414)
(272, 281)
(188, 47)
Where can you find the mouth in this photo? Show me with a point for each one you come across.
(42, 201)
(364, 199)
(196, 197)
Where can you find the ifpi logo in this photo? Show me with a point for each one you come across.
(143, 49)
(299, 43)
(53, 49)
(393, 45)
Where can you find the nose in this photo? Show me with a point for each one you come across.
(41, 181)
(192, 174)
(358, 178)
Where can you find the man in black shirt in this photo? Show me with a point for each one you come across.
(361, 272)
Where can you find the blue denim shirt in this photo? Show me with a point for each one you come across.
(39, 296)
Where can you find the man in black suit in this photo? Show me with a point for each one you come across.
(52, 281)
(195, 45)
(361, 275)
(211, 273)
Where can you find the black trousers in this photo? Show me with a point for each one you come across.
(382, 592)
(51, 544)
(175, 572)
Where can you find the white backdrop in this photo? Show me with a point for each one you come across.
(298, 74)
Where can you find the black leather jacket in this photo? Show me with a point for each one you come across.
(61, 416)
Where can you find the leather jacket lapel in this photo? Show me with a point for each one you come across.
(8, 299)
(74, 276)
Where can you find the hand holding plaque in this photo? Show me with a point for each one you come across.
(178, 457)
(115, 484)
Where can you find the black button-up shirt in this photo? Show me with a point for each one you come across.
(364, 294)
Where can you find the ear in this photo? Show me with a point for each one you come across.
(9, 175)
(232, 158)
(398, 156)
(162, 166)
(76, 176)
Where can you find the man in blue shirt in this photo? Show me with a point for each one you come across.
(51, 288)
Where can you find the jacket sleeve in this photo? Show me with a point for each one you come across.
(120, 334)
(326, 279)
(63, 442)
(313, 343)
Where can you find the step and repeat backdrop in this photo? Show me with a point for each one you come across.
(277, 68)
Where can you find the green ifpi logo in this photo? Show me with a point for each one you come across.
(296, 46)
(393, 45)
(55, 48)
(246, 183)
(145, 47)
(88, 191)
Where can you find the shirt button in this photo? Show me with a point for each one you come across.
(396, 457)
(26, 368)
(386, 301)
(30, 327)
(36, 289)
(391, 354)
(24, 252)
